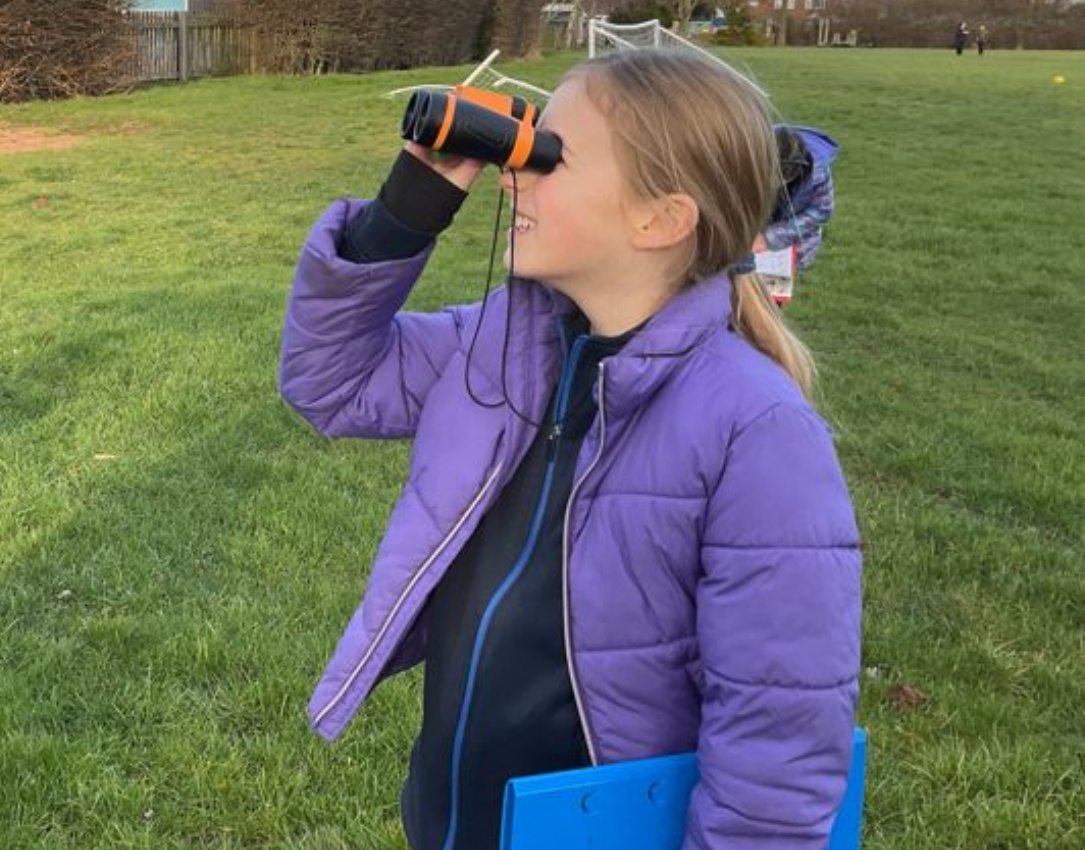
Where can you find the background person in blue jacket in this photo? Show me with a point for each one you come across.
(625, 532)
(806, 200)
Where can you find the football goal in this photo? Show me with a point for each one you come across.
(604, 37)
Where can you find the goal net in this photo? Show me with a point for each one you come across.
(486, 76)
(605, 37)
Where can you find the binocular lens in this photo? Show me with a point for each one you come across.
(442, 121)
(421, 123)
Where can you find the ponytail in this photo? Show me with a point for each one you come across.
(759, 322)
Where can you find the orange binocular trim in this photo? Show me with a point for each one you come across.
(446, 124)
(521, 148)
(503, 104)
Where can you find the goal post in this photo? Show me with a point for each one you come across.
(605, 37)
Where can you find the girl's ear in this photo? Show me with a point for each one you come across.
(665, 222)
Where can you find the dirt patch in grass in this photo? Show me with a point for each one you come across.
(15, 139)
(27, 139)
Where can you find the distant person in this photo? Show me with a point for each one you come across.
(960, 37)
(981, 39)
(804, 202)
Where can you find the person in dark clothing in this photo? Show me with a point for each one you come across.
(960, 37)
(589, 554)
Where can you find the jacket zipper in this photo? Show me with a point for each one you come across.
(522, 560)
(565, 572)
(373, 644)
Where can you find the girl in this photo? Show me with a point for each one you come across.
(805, 200)
(624, 532)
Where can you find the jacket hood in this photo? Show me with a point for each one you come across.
(823, 147)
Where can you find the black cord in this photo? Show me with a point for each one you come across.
(485, 304)
(509, 282)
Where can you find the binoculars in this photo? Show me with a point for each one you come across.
(480, 124)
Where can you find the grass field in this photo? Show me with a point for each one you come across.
(178, 553)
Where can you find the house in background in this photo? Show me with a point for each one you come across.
(178, 5)
(797, 22)
(161, 5)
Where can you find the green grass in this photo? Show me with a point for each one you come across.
(178, 552)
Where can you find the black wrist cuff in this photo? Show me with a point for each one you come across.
(419, 197)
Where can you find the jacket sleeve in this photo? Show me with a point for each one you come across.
(808, 217)
(352, 364)
(778, 610)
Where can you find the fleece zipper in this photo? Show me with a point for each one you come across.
(522, 560)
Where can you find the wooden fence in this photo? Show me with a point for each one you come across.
(181, 45)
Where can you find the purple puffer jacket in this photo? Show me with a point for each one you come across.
(711, 563)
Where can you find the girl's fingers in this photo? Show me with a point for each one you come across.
(456, 169)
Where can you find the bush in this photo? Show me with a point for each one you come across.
(740, 29)
(62, 48)
(314, 36)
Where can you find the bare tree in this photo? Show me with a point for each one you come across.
(683, 12)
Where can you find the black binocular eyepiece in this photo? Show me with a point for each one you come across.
(481, 125)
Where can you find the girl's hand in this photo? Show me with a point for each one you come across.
(759, 244)
(456, 169)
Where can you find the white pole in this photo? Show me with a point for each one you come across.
(483, 65)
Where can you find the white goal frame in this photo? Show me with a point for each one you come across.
(604, 37)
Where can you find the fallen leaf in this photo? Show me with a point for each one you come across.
(906, 697)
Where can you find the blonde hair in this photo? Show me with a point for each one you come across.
(683, 124)
(760, 322)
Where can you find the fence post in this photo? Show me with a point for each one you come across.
(182, 46)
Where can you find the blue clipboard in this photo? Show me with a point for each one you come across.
(635, 805)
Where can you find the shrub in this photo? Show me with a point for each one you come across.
(62, 48)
